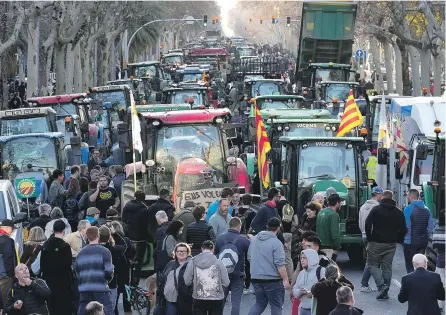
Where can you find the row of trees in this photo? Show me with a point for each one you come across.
(82, 41)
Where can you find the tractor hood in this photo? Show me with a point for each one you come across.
(192, 166)
(323, 184)
(295, 113)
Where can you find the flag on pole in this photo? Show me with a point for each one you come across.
(383, 143)
(263, 147)
(136, 128)
(401, 148)
(351, 117)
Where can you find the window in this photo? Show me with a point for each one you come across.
(423, 169)
(266, 88)
(145, 71)
(2, 206)
(331, 74)
(21, 126)
(338, 91)
(12, 201)
(281, 104)
(117, 99)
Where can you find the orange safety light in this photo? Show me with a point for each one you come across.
(67, 119)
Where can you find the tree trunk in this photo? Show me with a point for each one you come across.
(43, 74)
(377, 60)
(21, 65)
(105, 55)
(389, 68)
(32, 88)
(59, 58)
(425, 68)
(437, 74)
(112, 61)
(415, 66)
(407, 84)
(77, 74)
(69, 73)
(398, 70)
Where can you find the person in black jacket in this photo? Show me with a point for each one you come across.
(161, 233)
(136, 215)
(8, 260)
(345, 299)
(28, 295)
(199, 231)
(44, 217)
(422, 289)
(163, 204)
(55, 266)
(385, 227)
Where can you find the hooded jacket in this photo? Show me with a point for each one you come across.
(266, 255)
(385, 223)
(364, 212)
(208, 275)
(419, 223)
(135, 215)
(308, 277)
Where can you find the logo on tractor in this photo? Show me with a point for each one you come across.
(326, 144)
(26, 188)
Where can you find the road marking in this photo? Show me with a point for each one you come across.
(397, 283)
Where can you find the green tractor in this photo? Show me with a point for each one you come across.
(313, 164)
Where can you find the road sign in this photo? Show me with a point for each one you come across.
(26, 188)
(361, 54)
(190, 20)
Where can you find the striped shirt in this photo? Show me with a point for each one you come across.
(94, 268)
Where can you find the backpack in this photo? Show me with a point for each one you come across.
(229, 256)
(71, 207)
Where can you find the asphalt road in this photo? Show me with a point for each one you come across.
(365, 301)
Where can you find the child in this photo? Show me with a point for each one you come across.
(310, 275)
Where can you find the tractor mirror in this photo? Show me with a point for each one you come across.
(383, 156)
(421, 152)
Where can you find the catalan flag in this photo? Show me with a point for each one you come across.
(263, 147)
(401, 148)
(351, 118)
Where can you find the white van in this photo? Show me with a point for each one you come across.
(10, 209)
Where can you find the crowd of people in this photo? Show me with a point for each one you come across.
(81, 250)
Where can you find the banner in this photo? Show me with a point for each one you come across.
(202, 197)
(26, 188)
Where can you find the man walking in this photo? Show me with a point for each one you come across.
(220, 220)
(231, 248)
(266, 211)
(384, 227)
(94, 269)
(55, 266)
(364, 211)
(77, 240)
(422, 289)
(420, 224)
(226, 193)
(268, 273)
(186, 216)
(199, 231)
(104, 197)
(327, 226)
(346, 300)
(56, 192)
(44, 217)
(208, 275)
(9, 256)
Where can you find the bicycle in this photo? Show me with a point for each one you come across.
(139, 298)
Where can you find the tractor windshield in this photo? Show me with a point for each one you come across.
(326, 160)
(183, 97)
(172, 59)
(331, 74)
(280, 104)
(29, 154)
(187, 77)
(266, 88)
(308, 130)
(423, 169)
(117, 99)
(178, 143)
(24, 125)
(144, 71)
(338, 91)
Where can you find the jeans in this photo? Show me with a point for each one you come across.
(236, 287)
(207, 307)
(303, 311)
(366, 275)
(268, 292)
(247, 273)
(171, 308)
(102, 297)
(114, 296)
(381, 254)
(409, 252)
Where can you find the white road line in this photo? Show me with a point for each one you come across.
(397, 283)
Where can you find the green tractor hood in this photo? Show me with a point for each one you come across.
(295, 113)
(323, 184)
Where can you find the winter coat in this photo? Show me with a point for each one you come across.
(385, 223)
(325, 293)
(40, 221)
(242, 244)
(49, 227)
(135, 215)
(33, 297)
(165, 205)
(419, 223)
(197, 233)
(208, 275)
(364, 212)
(187, 218)
(122, 266)
(344, 309)
(8, 255)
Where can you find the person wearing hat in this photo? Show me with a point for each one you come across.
(186, 217)
(328, 192)
(93, 216)
(113, 215)
(327, 226)
(268, 269)
(372, 162)
(377, 195)
(9, 255)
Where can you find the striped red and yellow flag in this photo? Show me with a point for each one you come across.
(351, 118)
(263, 147)
(401, 148)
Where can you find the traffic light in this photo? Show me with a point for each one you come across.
(288, 21)
(246, 28)
(250, 20)
(273, 20)
(205, 20)
(261, 21)
(213, 20)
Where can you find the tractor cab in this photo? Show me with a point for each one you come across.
(172, 58)
(332, 95)
(195, 95)
(134, 84)
(27, 120)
